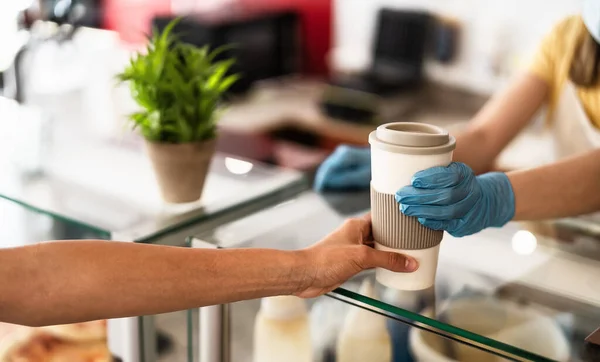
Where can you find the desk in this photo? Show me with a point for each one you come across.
(296, 103)
(255, 125)
(511, 293)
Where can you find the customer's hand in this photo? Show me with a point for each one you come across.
(343, 254)
(452, 198)
(345, 169)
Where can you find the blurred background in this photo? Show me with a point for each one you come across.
(309, 54)
(315, 74)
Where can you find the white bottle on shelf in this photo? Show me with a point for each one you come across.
(364, 336)
(281, 331)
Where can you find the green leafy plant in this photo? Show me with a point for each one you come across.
(179, 87)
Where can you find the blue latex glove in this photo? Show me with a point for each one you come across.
(452, 198)
(345, 169)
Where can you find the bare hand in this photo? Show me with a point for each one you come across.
(344, 253)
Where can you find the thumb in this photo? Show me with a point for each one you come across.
(391, 261)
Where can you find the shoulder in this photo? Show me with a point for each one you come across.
(559, 44)
(569, 22)
(568, 30)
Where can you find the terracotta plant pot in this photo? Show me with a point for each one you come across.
(181, 168)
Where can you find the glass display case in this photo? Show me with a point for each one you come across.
(84, 187)
(525, 292)
(64, 207)
(107, 184)
(21, 226)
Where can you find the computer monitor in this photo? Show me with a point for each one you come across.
(401, 38)
(265, 44)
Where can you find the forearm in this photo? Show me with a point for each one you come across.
(499, 121)
(471, 149)
(64, 282)
(566, 188)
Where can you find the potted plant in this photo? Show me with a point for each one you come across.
(180, 89)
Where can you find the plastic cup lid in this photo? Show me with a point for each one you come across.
(412, 138)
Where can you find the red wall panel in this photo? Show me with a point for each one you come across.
(131, 18)
(317, 17)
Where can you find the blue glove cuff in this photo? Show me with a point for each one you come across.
(501, 198)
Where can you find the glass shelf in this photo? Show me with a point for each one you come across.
(83, 183)
(108, 185)
(326, 320)
(522, 292)
(20, 226)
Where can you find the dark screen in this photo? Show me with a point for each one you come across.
(255, 49)
(264, 45)
(401, 36)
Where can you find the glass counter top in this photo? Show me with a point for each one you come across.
(108, 185)
(527, 291)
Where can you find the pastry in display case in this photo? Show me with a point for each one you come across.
(79, 342)
(79, 332)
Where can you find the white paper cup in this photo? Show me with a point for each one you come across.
(398, 151)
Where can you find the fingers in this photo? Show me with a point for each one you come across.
(368, 240)
(353, 154)
(410, 195)
(456, 227)
(389, 260)
(434, 224)
(356, 178)
(367, 217)
(322, 175)
(357, 229)
(440, 212)
(369, 243)
(442, 176)
(428, 212)
(354, 231)
(346, 167)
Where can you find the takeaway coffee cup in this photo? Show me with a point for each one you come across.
(398, 151)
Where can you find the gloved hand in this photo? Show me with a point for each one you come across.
(452, 198)
(346, 168)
